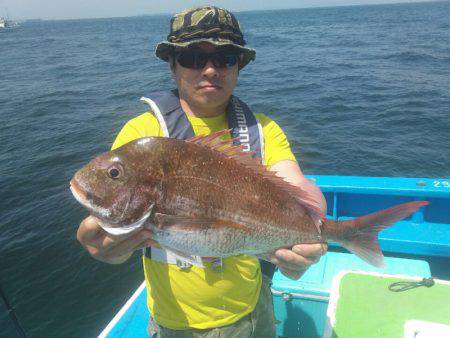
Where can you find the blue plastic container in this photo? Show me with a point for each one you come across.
(301, 306)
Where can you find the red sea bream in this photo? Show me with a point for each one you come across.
(207, 197)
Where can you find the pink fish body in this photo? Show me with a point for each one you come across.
(206, 197)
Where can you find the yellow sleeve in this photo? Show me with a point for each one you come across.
(142, 126)
(276, 145)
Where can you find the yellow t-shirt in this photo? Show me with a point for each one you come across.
(198, 297)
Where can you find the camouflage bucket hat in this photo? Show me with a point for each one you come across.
(204, 24)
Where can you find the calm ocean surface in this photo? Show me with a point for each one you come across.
(358, 90)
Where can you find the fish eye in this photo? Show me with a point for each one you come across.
(114, 172)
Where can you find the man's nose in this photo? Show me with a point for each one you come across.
(210, 70)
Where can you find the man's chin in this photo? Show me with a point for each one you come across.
(213, 98)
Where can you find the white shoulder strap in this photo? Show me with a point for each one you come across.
(157, 112)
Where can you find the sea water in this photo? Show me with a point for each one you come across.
(361, 90)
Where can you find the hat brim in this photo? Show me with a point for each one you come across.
(165, 48)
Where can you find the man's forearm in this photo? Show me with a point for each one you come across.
(316, 193)
(291, 172)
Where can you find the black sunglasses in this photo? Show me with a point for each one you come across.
(197, 60)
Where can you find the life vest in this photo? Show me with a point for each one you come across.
(244, 126)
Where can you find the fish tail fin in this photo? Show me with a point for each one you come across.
(360, 235)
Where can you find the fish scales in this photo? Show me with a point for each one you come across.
(220, 187)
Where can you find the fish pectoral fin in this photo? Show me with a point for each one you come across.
(193, 223)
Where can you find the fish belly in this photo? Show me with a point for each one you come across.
(222, 242)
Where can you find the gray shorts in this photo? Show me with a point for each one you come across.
(258, 324)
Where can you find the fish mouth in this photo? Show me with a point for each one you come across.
(79, 194)
(84, 199)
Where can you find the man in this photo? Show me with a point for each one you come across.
(199, 298)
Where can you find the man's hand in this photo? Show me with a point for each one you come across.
(295, 261)
(109, 248)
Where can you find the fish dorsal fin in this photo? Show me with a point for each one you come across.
(226, 147)
(210, 140)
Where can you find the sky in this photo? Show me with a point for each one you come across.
(72, 9)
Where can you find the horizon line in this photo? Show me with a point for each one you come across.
(236, 11)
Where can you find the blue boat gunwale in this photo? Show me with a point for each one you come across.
(123, 310)
(406, 186)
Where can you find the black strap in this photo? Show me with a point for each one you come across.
(267, 268)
